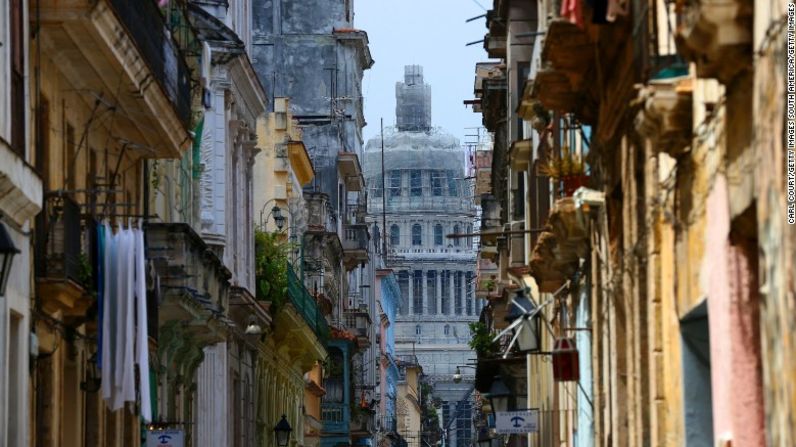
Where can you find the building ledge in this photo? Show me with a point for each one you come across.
(63, 295)
(20, 187)
(716, 35)
(666, 114)
(300, 162)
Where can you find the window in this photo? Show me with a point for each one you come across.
(416, 183)
(375, 185)
(417, 290)
(395, 184)
(417, 330)
(395, 235)
(437, 234)
(436, 182)
(453, 189)
(447, 329)
(417, 238)
(456, 231)
(431, 291)
(403, 285)
(18, 115)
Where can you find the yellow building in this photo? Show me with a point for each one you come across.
(408, 413)
(101, 110)
(290, 373)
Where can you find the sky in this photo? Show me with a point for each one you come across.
(431, 33)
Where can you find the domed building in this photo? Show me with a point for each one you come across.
(422, 195)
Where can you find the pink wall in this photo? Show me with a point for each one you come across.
(733, 312)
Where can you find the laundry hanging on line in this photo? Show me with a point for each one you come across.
(122, 335)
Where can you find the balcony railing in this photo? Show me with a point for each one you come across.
(306, 306)
(58, 246)
(356, 237)
(146, 26)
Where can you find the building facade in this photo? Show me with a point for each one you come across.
(660, 248)
(426, 198)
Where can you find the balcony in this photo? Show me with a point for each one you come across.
(666, 115)
(320, 216)
(306, 306)
(355, 245)
(557, 252)
(194, 281)
(350, 169)
(122, 46)
(63, 270)
(335, 417)
(495, 46)
(358, 322)
(716, 35)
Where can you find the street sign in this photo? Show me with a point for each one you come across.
(165, 438)
(515, 422)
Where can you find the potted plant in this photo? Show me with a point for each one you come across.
(567, 168)
(481, 341)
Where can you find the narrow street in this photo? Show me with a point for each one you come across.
(439, 223)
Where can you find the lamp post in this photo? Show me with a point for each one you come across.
(282, 431)
(276, 212)
(457, 376)
(7, 252)
(499, 395)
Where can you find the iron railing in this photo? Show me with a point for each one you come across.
(147, 28)
(58, 239)
(306, 306)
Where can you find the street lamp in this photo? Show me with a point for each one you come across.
(282, 431)
(526, 315)
(499, 395)
(276, 212)
(7, 252)
(457, 376)
(253, 328)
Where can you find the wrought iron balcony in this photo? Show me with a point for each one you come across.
(63, 271)
(131, 40)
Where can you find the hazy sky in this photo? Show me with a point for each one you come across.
(431, 33)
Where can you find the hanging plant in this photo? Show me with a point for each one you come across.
(271, 258)
(481, 341)
(566, 165)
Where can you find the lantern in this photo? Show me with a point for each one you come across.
(7, 252)
(565, 360)
(457, 376)
(278, 217)
(282, 431)
(499, 395)
(527, 332)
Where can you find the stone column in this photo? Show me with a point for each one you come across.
(463, 285)
(411, 285)
(438, 292)
(423, 292)
(451, 289)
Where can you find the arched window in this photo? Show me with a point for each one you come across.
(456, 231)
(417, 235)
(447, 329)
(437, 234)
(417, 330)
(395, 235)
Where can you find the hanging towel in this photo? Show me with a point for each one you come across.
(142, 336)
(127, 334)
(108, 314)
(119, 279)
(100, 282)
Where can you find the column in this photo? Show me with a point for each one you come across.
(464, 294)
(439, 291)
(423, 291)
(411, 285)
(451, 289)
